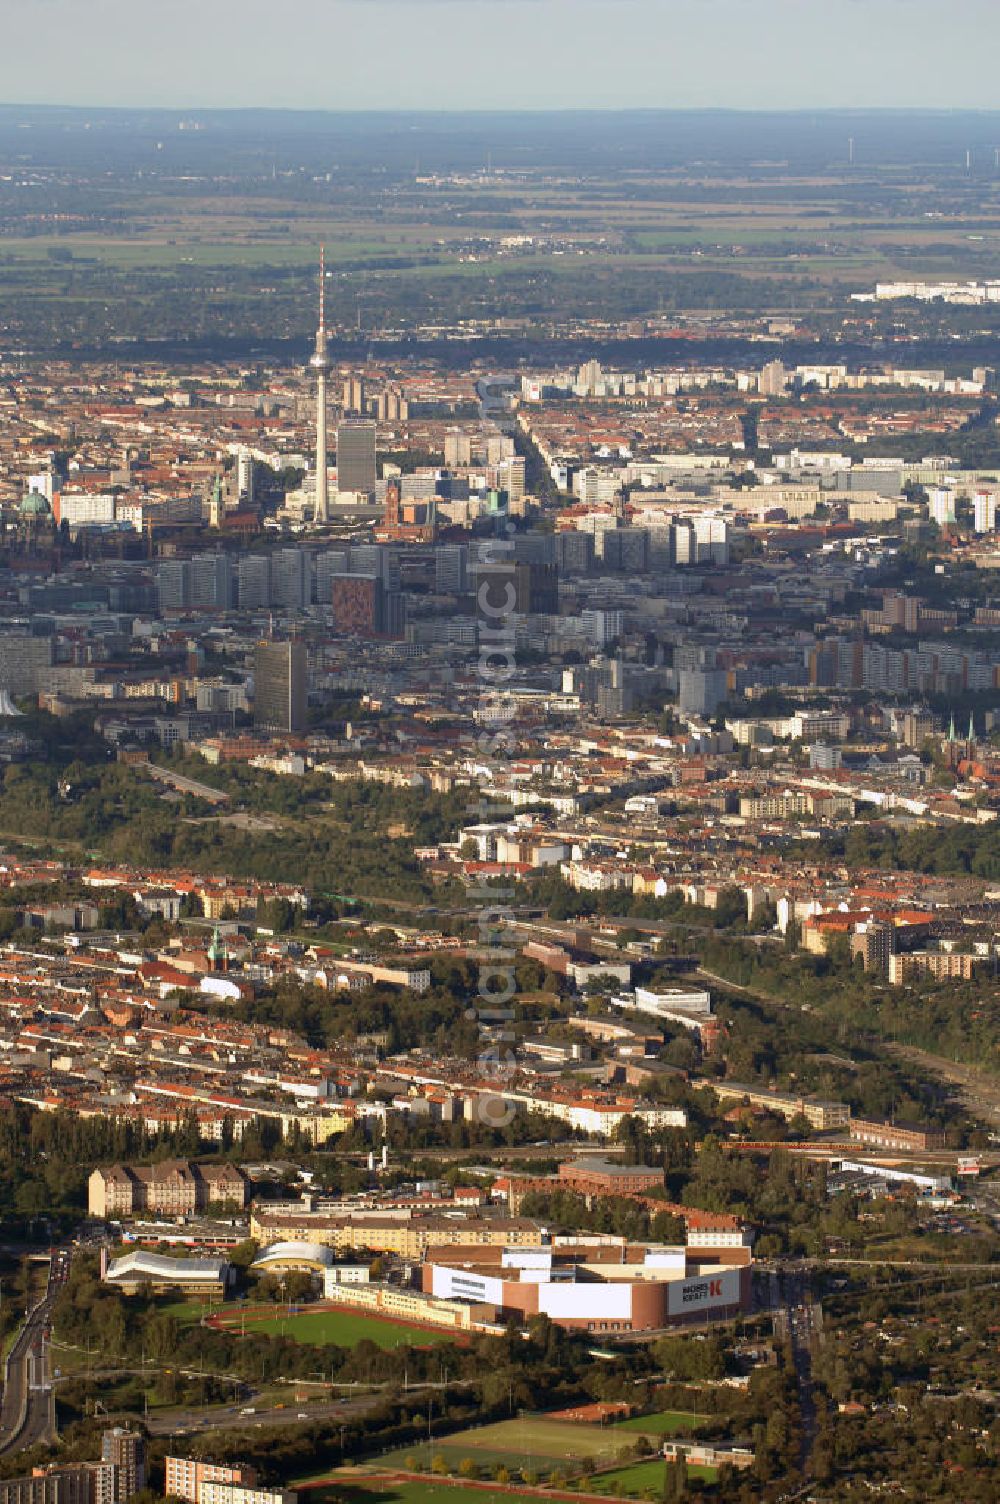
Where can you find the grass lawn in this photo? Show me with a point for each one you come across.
(639, 1476)
(664, 1423)
(341, 1329)
(532, 1443)
(190, 1312)
(67, 1360)
(353, 1492)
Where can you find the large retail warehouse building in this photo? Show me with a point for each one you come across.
(596, 1286)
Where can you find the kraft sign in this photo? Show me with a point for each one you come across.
(713, 1290)
(708, 1289)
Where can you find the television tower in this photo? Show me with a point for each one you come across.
(320, 363)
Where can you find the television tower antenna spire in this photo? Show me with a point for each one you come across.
(320, 364)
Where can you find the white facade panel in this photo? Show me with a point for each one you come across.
(539, 1259)
(84, 508)
(665, 1258)
(583, 1302)
(460, 1284)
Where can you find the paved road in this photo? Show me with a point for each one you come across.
(938, 1266)
(27, 1410)
(256, 1412)
(189, 1421)
(799, 1319)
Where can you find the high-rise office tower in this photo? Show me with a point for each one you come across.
(499, 446)
(25, 663)
(333, 562)
(418, 487)
(244, 475)
(588, 377)
(684, 543)
(354, 394)
(773, 379)
(377, 559)
(511, 476)
(711, 536)
(941, 505)
(173, 584)
(211, 582)
(320, 363)
(535, 548)
(574, 552)
(356, 456)
(280, 686)
(457, 448)
(127, 1451)
(984, 507)
(254, 581)
(290, 578)
(365, 558)
(700, 691)
(626, 549)
(537, 589)
(393, 406)
(451, 569)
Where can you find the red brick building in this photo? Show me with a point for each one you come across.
(602, 1177)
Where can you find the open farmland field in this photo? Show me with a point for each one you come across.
(435, 231)
(409, 249)
(153, 232)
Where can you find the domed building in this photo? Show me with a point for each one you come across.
(34, 508)
(34, 518)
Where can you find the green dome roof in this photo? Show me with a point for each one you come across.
(35, 505)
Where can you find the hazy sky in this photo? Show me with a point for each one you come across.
(371, 54)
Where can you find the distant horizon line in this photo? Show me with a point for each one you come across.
(512, 112)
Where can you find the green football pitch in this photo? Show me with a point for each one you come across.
(640, 1477)
(663, 1423)
(529, 1444)
(339, 1329)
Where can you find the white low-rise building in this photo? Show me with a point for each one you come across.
(140, 1270)
(690, 1007)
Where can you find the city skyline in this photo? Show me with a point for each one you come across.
(542, 54)
(499, 751)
